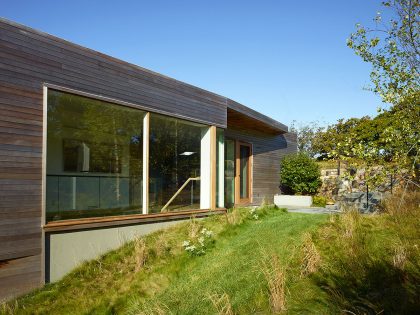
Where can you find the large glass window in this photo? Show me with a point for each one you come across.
(229, 173)
(174, 164)
(94, 158)
(245, 153)
(220, 174)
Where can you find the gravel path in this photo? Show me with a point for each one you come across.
(312, 210)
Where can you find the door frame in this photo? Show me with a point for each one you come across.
(238, 199)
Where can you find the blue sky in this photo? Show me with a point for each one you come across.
(286, 59)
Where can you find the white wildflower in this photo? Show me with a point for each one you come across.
(190, 248)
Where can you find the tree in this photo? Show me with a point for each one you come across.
(306, 135)
(392, 48)
(328, 141)
(300, 174)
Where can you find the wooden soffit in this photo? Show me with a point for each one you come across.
(245, 118)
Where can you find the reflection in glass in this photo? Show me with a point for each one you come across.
(220, 158)
(244, 169)
(94, 158)
(229, 173)
(174, 164)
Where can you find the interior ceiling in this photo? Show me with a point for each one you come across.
(237, 120)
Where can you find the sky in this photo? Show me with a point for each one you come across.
(285, 59)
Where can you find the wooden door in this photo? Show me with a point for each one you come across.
(243, 179)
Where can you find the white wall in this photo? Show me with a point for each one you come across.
(221, 172)
(205, 169)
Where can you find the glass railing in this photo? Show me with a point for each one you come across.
(72, 197)
(171, 198)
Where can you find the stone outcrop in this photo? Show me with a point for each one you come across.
(364, 202)
(352, 191)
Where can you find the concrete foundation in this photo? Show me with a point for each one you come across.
(292, 201)
(67, 250)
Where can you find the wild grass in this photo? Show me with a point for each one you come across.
(222, 304)
(275, 275)
(236, 216)
(154, 275)
(311, 259)
(140, 253)
(151, 309)
(278, 263)
(372, 262)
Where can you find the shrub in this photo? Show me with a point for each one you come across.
(319, 201)
(300, 174)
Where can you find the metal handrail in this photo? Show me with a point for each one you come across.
(178, 192)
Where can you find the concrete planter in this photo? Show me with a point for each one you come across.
(292, 201)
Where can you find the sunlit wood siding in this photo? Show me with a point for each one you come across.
(267, 152)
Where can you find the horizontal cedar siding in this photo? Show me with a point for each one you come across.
(19, 275)
(28, 59)
(267, 153)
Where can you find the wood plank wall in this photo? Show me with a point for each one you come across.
(28, 59)
(267, 152)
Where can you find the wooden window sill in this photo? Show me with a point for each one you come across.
(113, 221)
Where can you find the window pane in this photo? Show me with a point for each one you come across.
(220, 158)
(244, 176)
(229, 173)
(94, 158)
(174, 164)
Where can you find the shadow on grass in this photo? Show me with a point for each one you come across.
(370, 287)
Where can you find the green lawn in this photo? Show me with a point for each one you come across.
(307, 264)
(173, 279)
(234, 266)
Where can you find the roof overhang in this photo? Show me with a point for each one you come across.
(243, 117)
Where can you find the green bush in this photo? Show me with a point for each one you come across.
(300, 175)
(319, 201)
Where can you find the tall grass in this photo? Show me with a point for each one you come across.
(140, 253)
(311, 259)
(222, 304)
(372, 262)
(235, 216)
(275, 276)
(275, 263)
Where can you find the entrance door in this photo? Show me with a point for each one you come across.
(243, 173)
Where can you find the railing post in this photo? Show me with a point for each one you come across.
(192, 193)
(392, 183)
(367, 196)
